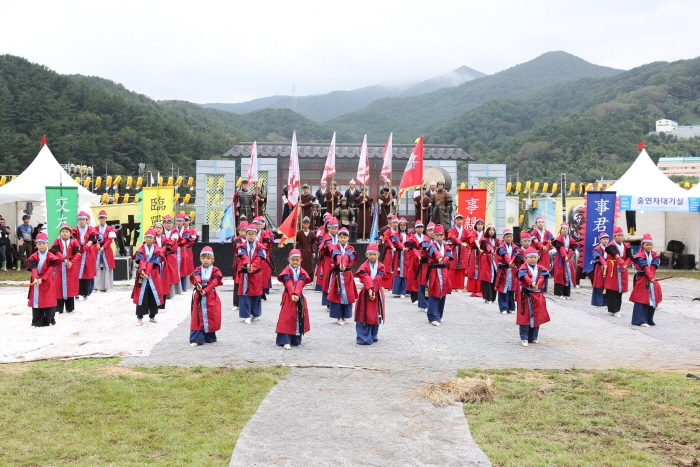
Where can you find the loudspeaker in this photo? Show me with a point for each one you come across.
(122, 268)
(516, 234)
(685, 262)
(205, 233)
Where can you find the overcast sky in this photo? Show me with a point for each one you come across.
(205, 51)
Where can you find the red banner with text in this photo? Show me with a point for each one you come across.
(472, 205)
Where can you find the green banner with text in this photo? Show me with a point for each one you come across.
(61, 207)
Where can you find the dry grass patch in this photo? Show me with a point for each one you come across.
(469, 390)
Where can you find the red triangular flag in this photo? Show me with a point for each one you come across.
(413, 174)
(640, 146)
(43, 141)
(288, 229)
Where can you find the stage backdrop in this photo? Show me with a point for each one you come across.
(61, 207)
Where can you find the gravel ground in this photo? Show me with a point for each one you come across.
(340, 396)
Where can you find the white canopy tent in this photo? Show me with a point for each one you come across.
(29, 187)
(644, 180)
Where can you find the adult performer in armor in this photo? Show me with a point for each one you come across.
(422, 203)
(351, 194)
(243, 202)
(442, 206)
(344, 213)
(332, 198)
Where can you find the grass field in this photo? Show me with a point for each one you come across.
(14, 275)
(588, 418)
(92, 412)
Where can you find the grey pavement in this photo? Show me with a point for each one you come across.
(339, 394)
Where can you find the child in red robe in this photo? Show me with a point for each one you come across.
(325, 262)
(370, 308)
(267, 239)
(171, 241)
(439, 256)
(563, 267)
(294, 320)
(474, 240)
(249, 271)
(147, 293)
(87, 238)
(235, 243)
(66, 282)
(487, 263)
(423, 267)
(458, 237)
(506, 283)
(542, 241)
(532, 304)
(646, 292)
(415, 239)
(205, 316)
(42, 296)
(390, 239)
(341, 285)
(600, 268)
(400, 279)
(616, 276)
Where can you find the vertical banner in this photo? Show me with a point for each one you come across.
(61, 207)
(156, 201)
(472, 205)
(599, 217)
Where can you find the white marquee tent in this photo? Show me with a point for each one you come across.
(644, 179)
(30, 185)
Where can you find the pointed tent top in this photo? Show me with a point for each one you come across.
(42, 172)
(644, 178)
(694, 192)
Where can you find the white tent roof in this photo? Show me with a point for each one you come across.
(694, 192)
(42, 172)
(644, 178)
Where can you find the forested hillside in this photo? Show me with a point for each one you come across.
(588, 128)
(410, 117)
(94, 121)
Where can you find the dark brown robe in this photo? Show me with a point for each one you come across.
(384, 209)
(364, 216)
(306, 203)
(306, 242)
(332, 200)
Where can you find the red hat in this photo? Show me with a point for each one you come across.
(150, 233)
(403, 220)
(647, 238)
(431, 226)
(259, 220)
(439, 229)
(564, 224)
(459, 216)
(618, 230)
(603, 235)
(42, 237)
(167, 218)
(65, 226)
(295, 253)
(332, 222)
(251, 227)
(206, 251)
(344, 231)
(531, 252)
(102, 213)
(83, 215)
(507, 232)
(180, 216)
(539, 218)
(525, 236)
(419, 223)
(372, 247)
(394, 219)
(488, 226)
(326, 215)
(242, 225)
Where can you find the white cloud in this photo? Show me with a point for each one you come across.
(210, 51)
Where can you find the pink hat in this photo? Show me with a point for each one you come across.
(150, 233)
(430, 226)
(403, 220)
(618, 230)
(419, 223)
(83, 215)
(42, 237)
(206, 251)
(167, 218)
(243, 225)
(102, 213)
(372, 247)
(439, 229)
(488, 226)
(295, 253)
(525, 236)
(251, 227)
(344, 231)
(507, 232)
(531, 252)
(564, 224)
(479, 220)
(459, 216)
(332, 222)
(394, 219)
(326, 215)
(539, 218)
(647, 238)
(259, 220)
(180, 216)
(603, 235)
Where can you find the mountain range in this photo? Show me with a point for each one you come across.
(321, 108)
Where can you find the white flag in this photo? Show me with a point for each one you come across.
(329, 170)
(363, 168)
(386, 166)
(253, 167)
(294, 174)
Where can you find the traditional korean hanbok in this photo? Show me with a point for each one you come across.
(42, 297)
(600, 256)
(439, 285)
(294, 319)
(458, 266)
(66, 280)
(250, 290)
(532, 304)
(147, 293)
(369, 314)
(646, 294)
(341, 290)
(506, 283)
(205, 315)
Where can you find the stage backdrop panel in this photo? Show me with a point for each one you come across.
(216, 185)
